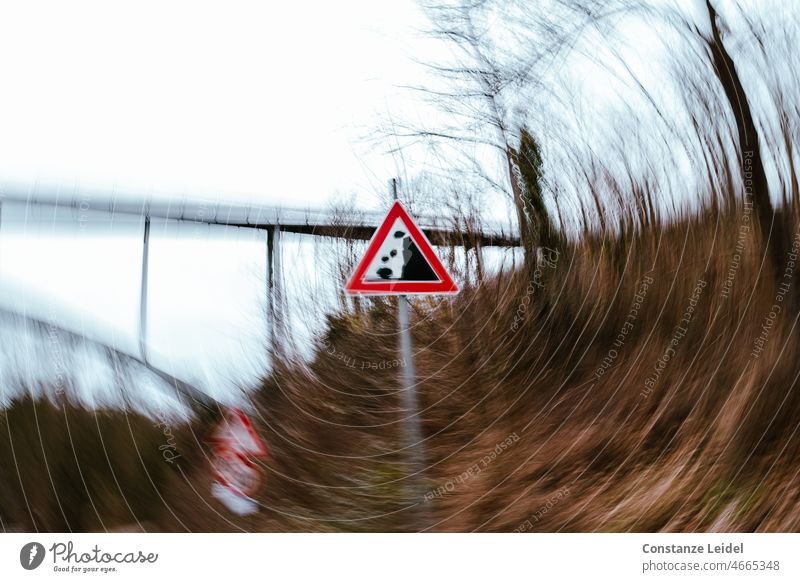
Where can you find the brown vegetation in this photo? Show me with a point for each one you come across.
(640, 375)
(704, 441)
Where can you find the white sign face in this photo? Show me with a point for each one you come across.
(236, 472)
(236, 503)
(399, 259)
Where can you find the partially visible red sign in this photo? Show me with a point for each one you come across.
(236, 472)
(235, 444)
(236, 432)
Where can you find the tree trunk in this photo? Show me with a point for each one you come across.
(749, 150)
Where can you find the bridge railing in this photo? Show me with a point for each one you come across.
(73, 205)
(66, 206)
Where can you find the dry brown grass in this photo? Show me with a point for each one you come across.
(711, 445)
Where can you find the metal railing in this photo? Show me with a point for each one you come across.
(60, 205)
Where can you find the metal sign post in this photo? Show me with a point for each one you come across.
(414, 442)
(400, 260)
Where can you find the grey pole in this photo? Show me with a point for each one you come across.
(277, 265)
(271, 291)
(414, 443)
(143, 291)
(274, 291)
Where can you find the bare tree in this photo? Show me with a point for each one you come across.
(473, 93)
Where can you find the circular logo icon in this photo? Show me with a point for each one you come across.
(31, 555)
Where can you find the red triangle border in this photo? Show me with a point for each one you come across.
(358, 286)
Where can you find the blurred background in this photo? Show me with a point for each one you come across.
(185, 189)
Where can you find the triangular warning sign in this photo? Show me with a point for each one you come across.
(400, 261)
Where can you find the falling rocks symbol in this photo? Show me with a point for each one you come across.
(414, 266)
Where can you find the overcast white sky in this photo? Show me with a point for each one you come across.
(244, 99)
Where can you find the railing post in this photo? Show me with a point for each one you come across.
(143, 291)
(275, 297)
